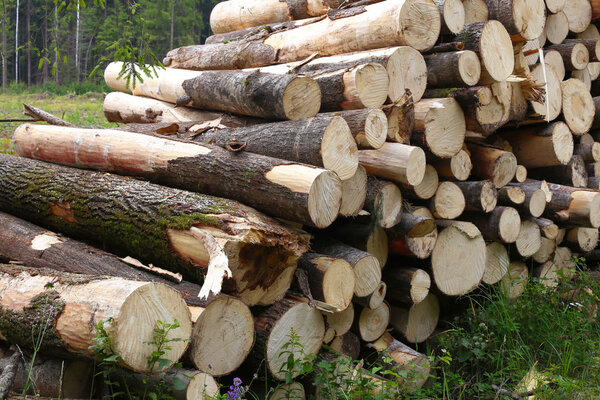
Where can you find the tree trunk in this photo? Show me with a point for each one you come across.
(330, 279)
(497, 262)
(456, 168)
(573, 206)
(439, 127)
(411, 285)
(70, 306)
(28, 27)
(384, 202)
(453, 15)
(494, 164)
(502, 224)
(371, 324)
(426, 189)
(297, 192)
(201, 236)
(453, 69)
(577, 106)
(417, 322)
(448, 202)
(273, 327)
(480, 196)
(404, 23)
(524, 20)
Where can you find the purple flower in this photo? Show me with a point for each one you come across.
(235, 390)
(52, 311)
(210, 366)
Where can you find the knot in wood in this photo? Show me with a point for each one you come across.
(235, 145)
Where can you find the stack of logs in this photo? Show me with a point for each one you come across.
(404, 151)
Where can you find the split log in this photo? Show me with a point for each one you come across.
(557, 27)
(577, 106)
(582, 239)
(53, 377)
(480, 196)
(418, 322)
(426, 189)
(497, 262)
(176, 229)
(515, 280)
(373, 300)
(323, 141)
(544, 146)
(341, 321)
(396, 162)
(448, 202)
(453, 69)
(502, 224)
(414, 23)
(354, 193)
(574, 206)
(491, 42)
(524, 20)
(39, 248)
(294, 191)
(512, 196)
(242, 92)
(575, 55)
(366, 267)
(62, 302)
(411, 285)
(402, 242)
(222, 336)
(458, 259)
(494, 164)
(579, 14)
(548, 229)
(529, 240)
(330, 279)
(233, 15)
(370, 324)
(347, 344)
(456, 168)
(273, 326)
(475, 11)
(401, 120)
(369, 126)
(439, 126)
(453, 15)
(520, 173)
(384, 202)
(589, 152)
(573, 174)
(546, 250)
(412, 367)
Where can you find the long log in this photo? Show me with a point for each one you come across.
(414, 23)
(72, 305)
(249, 93)
(293, 191)
(453, 69)
(323, 141)
(418, 322)
(439, 126)
(524, 20)
(396, 162)
(201, 236)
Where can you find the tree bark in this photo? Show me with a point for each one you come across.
(575, 55)
(201, 236)
(501, 225)
(69, 306)
(384, 202)
(480, 196)
(524, 20)
(414, 243)
(453, 69)
(494, 164)
(411, 285)
(426, 189)
(400, 120)
(574, 206)
(456, 168)
(330, 279)
(573, 174)
(347, 344)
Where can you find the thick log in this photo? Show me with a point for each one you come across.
(370, 324)
(411, 285)
(347, 344)
(582, 239)
(72, 305)
(502, 224)
(401, 120)
(366, 267)
(453, 15)
(294, 191)
(273, 326)
(546, 250)
(573, 174)
(417, 322)
(577, 106)
(544, 146)
(341, 321)
(426, 189)
(396, 162)
(456, 168)
(323, 141)
(475, 11)
(233, 15)
(201, 236)
(414, 23)
(448, 202)
(579, 14)
(331, 280)
(439, 126)
(494, 164)
(529, 240)
(453, 69)
(369, 126)
(368, 238)
(557, 27)
(524, 20)
(458, 259)
(242, 92)
(354, 193)
(493, 46)
(573, 205)
(409, 242)
(497, 262)
(480, 196)
(514, 282)
(384, 202)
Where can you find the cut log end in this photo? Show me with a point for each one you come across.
(460, 165)
(504, 169)
(372, 85)
(419, 286)
(489, 197)
(537, 203)
(202, 387)
(301, 98)
(496, 51)
(407, 70)
(578, 106)
(419, 321)
(376, 127)
(373, 322)
(521, 174)
(420, 23)
(338, 149)
(428, 186)
(551, 106)
(443, 124)
(337, 285)
(509, 225)
(515, 280)
(354, 192)
(341, 321)
(415, 169)
(529, 240)
(422, 245)
(449, 201)
(368, 275)
(324, 199)
(453, 12)
(529, 17)
(497, 262)
(388, 206)
(469, 67)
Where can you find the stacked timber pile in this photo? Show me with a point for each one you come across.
(394, 153)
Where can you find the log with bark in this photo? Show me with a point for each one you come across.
(480, 196)
(453, 69)
(411, 242)
(249, 93)
(524, 20)
(273, 326)
(373, 300)
(439, 127)
(458, 259)
(502, 224)
(347, 344)
(395, 161)
(456, 168)
(354, 193)
(512, 196)
(289, 190)
(547, 227)
(369, 126)
(475, 11)
(453, 15)
(370, 324)
(448, 201)
(417, 322)
(410, 285)
(492, 163)
(401, 120)
(582, 239)
(415, 225)
(575, 54)
(384, 202)
(574, 206)
(572, 174)
(426, 189)
(71, 306)
(203, 237)
(414, 23)
(368, 238)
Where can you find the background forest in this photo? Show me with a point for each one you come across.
(63, 41)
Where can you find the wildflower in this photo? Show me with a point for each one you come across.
(210, 366)
(52, 311)
(235, 390)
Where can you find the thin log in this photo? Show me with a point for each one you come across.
(41, 115)
(407, 242)
(384, 202)
(411, 285)
(456, 168)
(453, 69)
